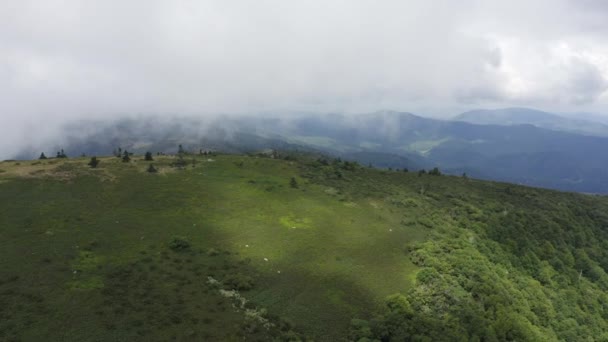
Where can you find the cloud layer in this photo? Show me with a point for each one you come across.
(64, 60)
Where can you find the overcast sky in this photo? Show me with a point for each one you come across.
(61, 60)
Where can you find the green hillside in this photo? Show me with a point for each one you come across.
(229, 247)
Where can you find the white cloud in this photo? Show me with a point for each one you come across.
(66, 59)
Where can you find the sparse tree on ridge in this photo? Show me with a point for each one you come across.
(180, 149)
(94, 162)
(42, 156)
(435, 172)
(125, 157)
(148, 156)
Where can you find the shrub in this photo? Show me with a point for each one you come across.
(435, 172)
(152, 169)
(239, 282)
(94, 162)
(179, 243)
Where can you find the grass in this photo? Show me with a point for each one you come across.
(117, 253)
(67, 230)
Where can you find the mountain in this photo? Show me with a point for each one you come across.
(520, 153)
(292, 247)
(524, 154)
(522, 116)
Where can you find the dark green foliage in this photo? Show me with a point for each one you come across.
(470, 260)
(421, 172)
(180, 149)
(239, 282)
(293, 183)
(151, 169)
(125, 157)
(179, 244)
(350, 166)
(148, 156)
(435, 172)
(93, 162)
(42, 156)
(61, 154)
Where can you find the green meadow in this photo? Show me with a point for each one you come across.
(228, 247)
(315, 260)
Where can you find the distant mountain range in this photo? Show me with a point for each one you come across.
(520, 116)
(516, 145)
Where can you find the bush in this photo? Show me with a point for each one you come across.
(212, 252)
(152, 169)
(435, 172)
(179, 243)
(180, 162)
(94, 162)
(239, 282)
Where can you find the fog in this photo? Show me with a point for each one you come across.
(64, 61)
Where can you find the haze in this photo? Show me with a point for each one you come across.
(67, 60)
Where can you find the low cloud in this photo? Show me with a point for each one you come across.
(67, 60)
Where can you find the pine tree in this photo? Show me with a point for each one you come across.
(435, 172)
(148, 156)
(42, 156)
(94, 162)
(125, 157)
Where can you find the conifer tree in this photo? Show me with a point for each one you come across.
(94, 162)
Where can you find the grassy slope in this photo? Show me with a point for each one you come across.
(493, 261)
(336, 259)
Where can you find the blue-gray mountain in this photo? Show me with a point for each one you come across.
(521, 116)
(512, 152)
